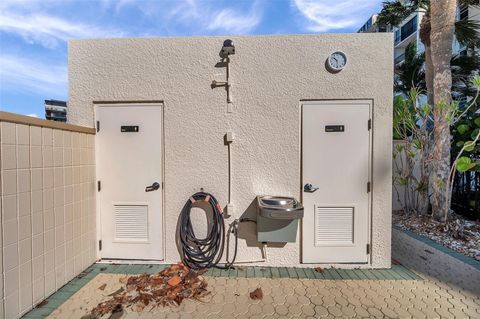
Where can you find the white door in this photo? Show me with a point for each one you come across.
(129, 159)
(335, 159)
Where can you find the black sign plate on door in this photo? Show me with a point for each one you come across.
(334, 128)
(129, 128)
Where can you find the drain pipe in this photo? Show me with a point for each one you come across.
(229, 137)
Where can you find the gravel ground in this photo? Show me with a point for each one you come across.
(460, 234)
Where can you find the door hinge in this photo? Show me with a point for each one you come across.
(100, 244)
(99, 185)
(369, 124)
(368, 249)
(98, 126)
(368, 187)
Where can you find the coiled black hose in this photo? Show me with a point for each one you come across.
(206, 252)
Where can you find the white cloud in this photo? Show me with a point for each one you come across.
(210, 16)
(325, 15)
(22, 74)
(49, 30)
(231, 21)
(32, 115)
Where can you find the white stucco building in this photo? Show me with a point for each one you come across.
(279, 91)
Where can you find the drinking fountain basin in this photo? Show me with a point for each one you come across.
(279, 207)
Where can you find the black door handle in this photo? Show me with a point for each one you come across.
(309, 188)
(153, 187)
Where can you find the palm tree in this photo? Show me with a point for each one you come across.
(442, 21)
(410, 74)
(466, 31)
(436, 33)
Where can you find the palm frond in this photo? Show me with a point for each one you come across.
(464, 67)
(467, 32)
(394, 12)
(410, 73)
(421, 4)
(469, 2)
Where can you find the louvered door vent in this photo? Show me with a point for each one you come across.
(333, 225)
(131, 223)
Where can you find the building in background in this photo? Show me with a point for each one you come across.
(371, 26)
(56, 110)
(408, 31)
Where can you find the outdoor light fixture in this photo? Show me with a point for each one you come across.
(228, 48)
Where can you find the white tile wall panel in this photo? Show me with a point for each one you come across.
(10, 257)
(35, 135)
(24, 227)
(47, 154)
(38, 290)
(47, 136)
(47, 191)
(8, 133)
(24, 204)
(47, 178)
(12, 306)
(9, 207)
(37, 201)
(57, 138)
(23, 156)
(9, 182)
(36, 156)
(23, 134)
(25, 251)
(11, 278)
(10, 232)
(37, 224)
(9, 156)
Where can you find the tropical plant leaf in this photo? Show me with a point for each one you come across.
(474, 134)
(477, 121)
(464, 164)
(475, 81)
(462, 128)
(469, 146)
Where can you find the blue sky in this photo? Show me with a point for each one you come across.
(34, 33)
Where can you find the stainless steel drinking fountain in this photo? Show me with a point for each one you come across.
(277, 218)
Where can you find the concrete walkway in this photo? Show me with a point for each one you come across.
(301, 298)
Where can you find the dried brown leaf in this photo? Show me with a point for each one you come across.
(174, 281)
(395, 262)
(319, 269)
(257, 294)
(116, 292)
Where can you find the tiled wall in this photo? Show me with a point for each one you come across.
(47, 212)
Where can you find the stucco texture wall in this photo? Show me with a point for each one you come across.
(270, 76)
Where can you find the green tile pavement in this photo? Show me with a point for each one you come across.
(397, 272)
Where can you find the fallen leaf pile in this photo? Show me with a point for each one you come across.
(168, 287)
(460, 234)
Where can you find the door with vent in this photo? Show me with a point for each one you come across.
(336, 175)
(129, 163)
